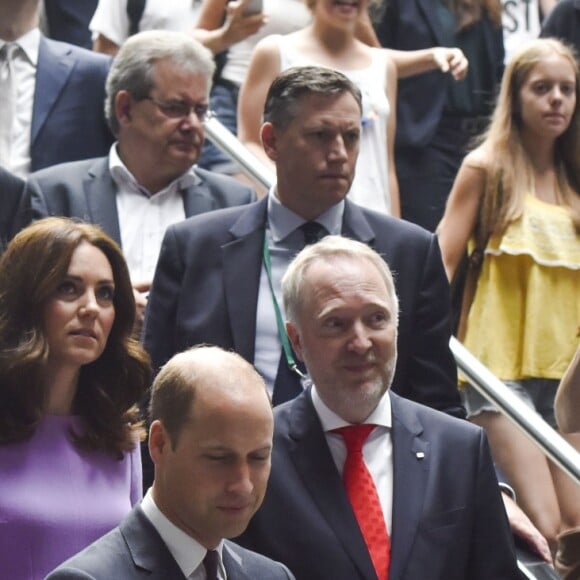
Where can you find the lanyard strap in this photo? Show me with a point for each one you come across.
(288, 353)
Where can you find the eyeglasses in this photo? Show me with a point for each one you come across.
(181, 109)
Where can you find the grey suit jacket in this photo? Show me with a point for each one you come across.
(86, 190)
(135, 550)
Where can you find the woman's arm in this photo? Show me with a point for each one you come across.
(263, 69)
(391, 130)
(105, 45)
(414, 62)
(567, 404)
(459, 219)
(222, 24)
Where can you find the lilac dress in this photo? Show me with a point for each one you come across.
(55, 499)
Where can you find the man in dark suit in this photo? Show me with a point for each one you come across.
(15, 212)
(57, 109)
(212, 284)
(431, 488)
(211, 442)
(156, 102)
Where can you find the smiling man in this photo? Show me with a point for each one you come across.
(156, 103)
(211, 442)
(377, 486)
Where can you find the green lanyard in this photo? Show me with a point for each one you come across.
(288, 354)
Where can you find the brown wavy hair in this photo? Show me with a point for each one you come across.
(31, 269)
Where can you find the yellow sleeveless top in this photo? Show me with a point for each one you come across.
(525, 317)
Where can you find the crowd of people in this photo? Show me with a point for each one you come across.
(156, 303)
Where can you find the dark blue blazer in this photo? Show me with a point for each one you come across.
(414, 25)
(68, 119)
(135, 550)
(86, 190)
(205, 290)
(15, 211)
(448, 518)
(69, 21)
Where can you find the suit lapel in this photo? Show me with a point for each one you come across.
(55, 63)
(242, 263)
(233, 564)
(197, 199)
(410, 473)
(427, 7)
(100, 193)
(148, 550)
(310, 455)
(355, 224)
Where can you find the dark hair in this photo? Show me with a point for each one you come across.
(290, 86)
(31, 269)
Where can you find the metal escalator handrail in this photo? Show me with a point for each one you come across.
(551, 443)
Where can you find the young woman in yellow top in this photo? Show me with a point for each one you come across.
(517, 194)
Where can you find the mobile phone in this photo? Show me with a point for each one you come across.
(253, 7)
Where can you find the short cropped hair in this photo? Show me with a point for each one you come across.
(173, 391)
(133, 67)
(290, 86)
(326, 250)
(33, 266)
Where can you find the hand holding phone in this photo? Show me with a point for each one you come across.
(253, 7)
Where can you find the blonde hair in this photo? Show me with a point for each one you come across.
(509, 170)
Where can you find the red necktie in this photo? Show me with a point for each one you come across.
(364, 498)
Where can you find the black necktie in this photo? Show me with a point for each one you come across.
(313, 232)
(210, 563)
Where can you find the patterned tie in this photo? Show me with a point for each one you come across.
(313, 232)
(210, 563)
(7, 100)
(364, 498)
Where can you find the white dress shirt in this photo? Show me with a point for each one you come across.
(187, 552)
(377, 449)
(24, 63)
(144, 217)
(284, 242)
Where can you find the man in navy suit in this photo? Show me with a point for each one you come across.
(58, 92)
(211, 442)
(212, 283)
(156, 103)
(438, 500)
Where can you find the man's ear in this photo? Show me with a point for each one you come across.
(123, 104)
(294, 337)
(159, 442)
(268, 136)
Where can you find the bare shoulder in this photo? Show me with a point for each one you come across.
(479, 158)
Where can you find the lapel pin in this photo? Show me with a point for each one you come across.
(420, 455)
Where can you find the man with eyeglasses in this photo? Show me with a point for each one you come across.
(156, 104)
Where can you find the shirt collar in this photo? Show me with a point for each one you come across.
(329, 420)
(187, 552)
(124, 178)
(29, 43)
(283, 221)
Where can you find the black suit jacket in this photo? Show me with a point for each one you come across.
(414, 25)
(205, 290)
(68, 120)
(86, 190)
(15, 212)
(448, 517)
(135, 550)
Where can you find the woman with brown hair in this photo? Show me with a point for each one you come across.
(70, 377)
(516, 203)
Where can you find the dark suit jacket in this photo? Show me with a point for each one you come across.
(68, 120)
(135, 550)
(69, 21)
(86, 190)
(206, 285)
(563, 22)
(15, 212)
(448, 518)
(414, 25)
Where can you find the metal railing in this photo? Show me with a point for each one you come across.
(551, 443)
